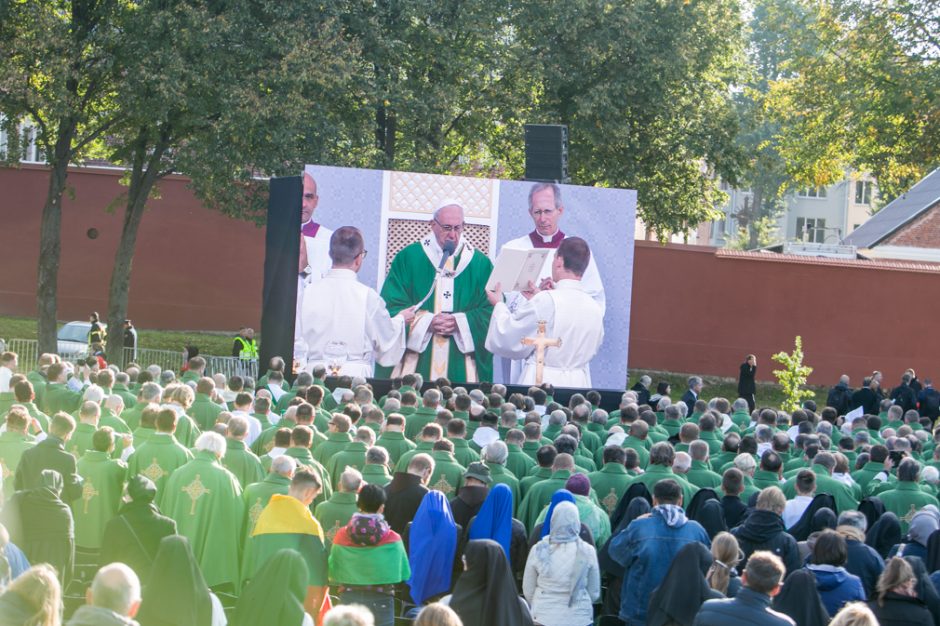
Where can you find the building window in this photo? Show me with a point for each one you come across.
(812, 192)
(811, 229)
(863, 192)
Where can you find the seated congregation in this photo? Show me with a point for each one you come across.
(153, 497)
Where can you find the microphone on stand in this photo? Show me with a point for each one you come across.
(448, 249)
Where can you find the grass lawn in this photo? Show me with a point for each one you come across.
(220, 344)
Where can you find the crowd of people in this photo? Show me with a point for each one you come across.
(152, 497)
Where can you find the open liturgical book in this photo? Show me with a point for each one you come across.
(515, 269)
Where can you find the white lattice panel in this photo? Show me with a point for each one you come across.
(403, 232)
(410, 192)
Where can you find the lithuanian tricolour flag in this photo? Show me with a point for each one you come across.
(287, 523)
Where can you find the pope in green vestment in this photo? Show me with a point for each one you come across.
(205, 499)
(101, 496)
(450, 335)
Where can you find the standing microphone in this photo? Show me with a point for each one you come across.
(449, 247)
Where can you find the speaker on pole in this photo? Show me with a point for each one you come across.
(546, 153)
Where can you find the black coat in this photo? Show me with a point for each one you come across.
(746, 384)
(41, 525)
(929, 399)
(904, 397)
(467, 504)
(764, 530)
(735, 510)
(745, 609)
(865, 562)
(134, 536)
(642, 394)
(867, 399)
(689, 398)
(48, 454)
(900, 611)
(840, 398)
(404, 494)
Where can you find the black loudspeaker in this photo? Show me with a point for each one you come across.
(546, 153)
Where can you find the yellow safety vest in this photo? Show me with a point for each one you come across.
(249, 351)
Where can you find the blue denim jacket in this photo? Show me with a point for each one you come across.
(646, 549)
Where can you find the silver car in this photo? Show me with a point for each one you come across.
(73, 339)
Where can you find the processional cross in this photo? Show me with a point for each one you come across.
(541, 342)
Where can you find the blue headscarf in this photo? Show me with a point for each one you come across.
(562, 495)
(494, 521)
(432, 544)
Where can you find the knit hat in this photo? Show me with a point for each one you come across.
(141, 489)
(579, 484)
(367, 529)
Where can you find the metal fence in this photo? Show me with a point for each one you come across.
(27, 351)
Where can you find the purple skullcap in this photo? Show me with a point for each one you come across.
(579, 484)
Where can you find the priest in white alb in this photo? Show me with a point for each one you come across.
(346, 323)
(570, 315)
(546, 210)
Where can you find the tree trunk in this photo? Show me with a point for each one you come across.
(753, 241)
(145, 173)
(50, 245)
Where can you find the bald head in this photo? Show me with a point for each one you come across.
(117, 588)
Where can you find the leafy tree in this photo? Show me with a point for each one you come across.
(865, 92)
(792, 378)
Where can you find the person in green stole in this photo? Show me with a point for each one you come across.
(447, 339)
(448, 473)
(611, 481)
(375, 471)
(907, 497)
(88, 416)
(286, 523)
(199, 496)
(257, 495)
(393, 438)
(58, 396)
(13, 442)
(149, 394)
(204, 410)
(335, 512)
(518, 462)
(238, 458)
(102, 487)
(161, 454)
(353, 456)
(700, 473)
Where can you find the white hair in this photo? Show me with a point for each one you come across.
(930, 474)
(682, 462)
(155, 370)
(496, 452)
(115, 587)
(212, 442)
(93, 393)
(151, 392)
(350, 480)
(349, 615)
(284, 465)
(745, 462)
(114, 402)
(558, 418)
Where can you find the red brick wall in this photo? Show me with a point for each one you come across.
(695, 309)
(922, 232)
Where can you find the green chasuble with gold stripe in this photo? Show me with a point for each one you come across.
(460, 290)
(287, 523)
(102, 487)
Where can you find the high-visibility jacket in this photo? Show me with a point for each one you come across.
(249, 349)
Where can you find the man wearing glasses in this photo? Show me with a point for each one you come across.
(341, 311)
(447, 335)
(546, 210)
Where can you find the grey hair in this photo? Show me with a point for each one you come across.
(600, 416)
(683, 408)
(350, 480)
(366, 435)
(672, 412)
(930, 474)
(557, 418)
(432, 397)
(682, 461)
(349, 615)
(150, 392)
(304, 379)
(283, 465)
(114, 402)
(662, 453)
(740, 405)
(646, 381)
(663, 403)
(824, 428)
(155, 370)
(211, 442)
(537, 187)
(391, 405)
(167, 377)
(496, 452)
(764, 433)
(377, 455)
(437, 211)
(115, 587)
(855, 519)
(93, 393)
(698, 450)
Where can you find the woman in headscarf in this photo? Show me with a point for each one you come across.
(638, 506)
(884, 533)
(682, 592)
(177, 594)
(544, 525)
(275, 594)
(823, 519)
(722, 576)
(562, 578)
(924, 523)
(495, 521)
(712, 517)
(799, 599)
(485, 594)
(432, 547)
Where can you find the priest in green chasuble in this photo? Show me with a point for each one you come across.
(447, 335)
(205, 499)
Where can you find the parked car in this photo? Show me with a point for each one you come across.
(73, 339)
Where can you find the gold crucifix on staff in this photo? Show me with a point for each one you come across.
(541, 342)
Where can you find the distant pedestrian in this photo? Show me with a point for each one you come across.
(747, 388)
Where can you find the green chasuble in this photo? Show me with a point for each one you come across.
(517, 462)
(376, 475)
(257, 495)
(80, 440)
(590, 515)
(287, 523)
(466, 455)
(36, 414)
(334, 444)
(412, 275)
(702, 477)
(843, 494)
(303, 457)
(502, 476)
(539, 496)
(59, 397)
(131, 416)
(610, 483)
(206, 501)
(101, 497)
(395, 444)
(905, 500)
(416, 422)
(12, 446)
(448, 474)
(536, 475)
(353, 456)
(157, 458)
(425, 447)
(242, 462)
(205, 411)
(39, 382)
(656, 473)
(120, 389)
(335, 513)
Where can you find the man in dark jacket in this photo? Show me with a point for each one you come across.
(642, 389)
(692, 393)
(840, 396)
(864, 561)
(868, 397)
(764, 530)
(929, 401)
(747, 387)
(903, 395)
(50, 454)
(135, 533)
(406, 491)
(466, 505)
(761, 579)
